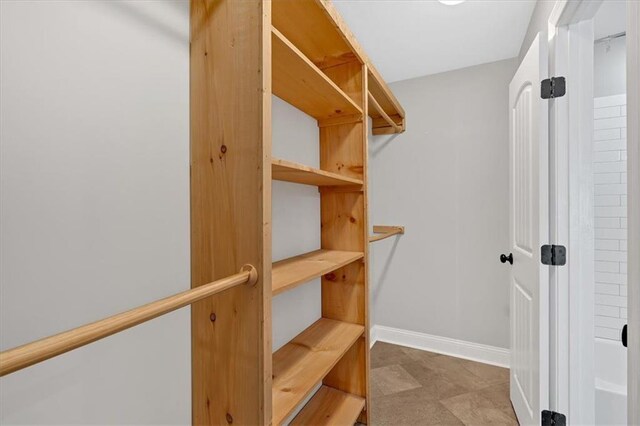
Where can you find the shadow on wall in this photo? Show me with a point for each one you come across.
(142, 13)
(385, 269)
(382, 145)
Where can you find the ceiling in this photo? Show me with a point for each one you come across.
(610, 19)
(412, 38)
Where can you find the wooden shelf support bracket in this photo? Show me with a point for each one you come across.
(385, 232)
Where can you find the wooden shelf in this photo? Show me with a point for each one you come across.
(302, 363)
(298, 81)
(316, 28)
(310, 25)
(330, 407)
(289, 273)
(385, 107)
(299, 173)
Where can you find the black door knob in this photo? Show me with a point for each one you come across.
(504, 258)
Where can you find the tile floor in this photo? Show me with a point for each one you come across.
(413, 387)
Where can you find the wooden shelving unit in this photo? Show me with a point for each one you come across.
(302, 363)
(301, 51)
(299, 173)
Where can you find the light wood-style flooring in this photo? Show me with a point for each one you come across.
(414, 387)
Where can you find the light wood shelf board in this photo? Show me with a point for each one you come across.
(330, 407)
(289, 273)
(301, 83)
(309, 26)
(299, 173)
(302, 363)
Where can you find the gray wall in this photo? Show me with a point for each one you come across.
(94, 215)
(296, 219)
(446, 180)
(95, 205)
(610, 68)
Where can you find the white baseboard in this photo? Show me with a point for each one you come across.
(442, 345)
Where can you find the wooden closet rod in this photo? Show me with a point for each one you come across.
(385, 232)
(32, 353)
(377, 107)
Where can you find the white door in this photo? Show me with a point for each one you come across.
(529, 229)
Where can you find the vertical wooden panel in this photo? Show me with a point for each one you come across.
(231, 209)
(348, 77)
(344, 226)
(347, 374)
(342, 150)
(344, 294)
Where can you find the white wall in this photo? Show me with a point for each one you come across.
(95, 205)
(446, 180)
(610, 68)
(610, 172)
(539, 22)
(610, 223)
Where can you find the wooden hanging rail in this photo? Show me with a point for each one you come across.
(32, 353)
(376, 106)
(387, 101)
(385, 232)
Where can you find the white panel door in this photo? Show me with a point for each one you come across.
(529, 229)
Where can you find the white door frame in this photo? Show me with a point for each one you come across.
(572, 347)
(633, 165)
(571, 187)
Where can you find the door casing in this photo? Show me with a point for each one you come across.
(572, 379)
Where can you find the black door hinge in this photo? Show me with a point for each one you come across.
(553, 255)
(554, 87)
(552, 418)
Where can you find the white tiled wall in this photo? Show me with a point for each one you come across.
(610, 179)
